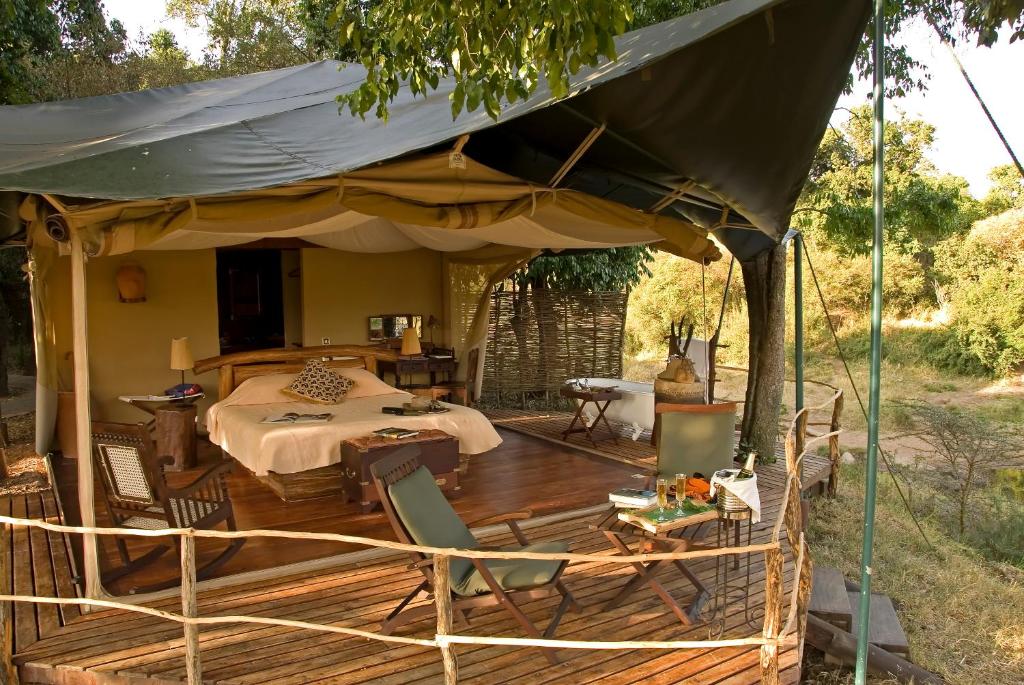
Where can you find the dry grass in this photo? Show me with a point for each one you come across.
(964, 615)
(26, 469)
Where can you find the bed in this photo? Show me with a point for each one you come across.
(302, 461)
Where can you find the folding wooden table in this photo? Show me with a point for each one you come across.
(679, 539)
(583, 398)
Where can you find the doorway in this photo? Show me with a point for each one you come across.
(258, 298)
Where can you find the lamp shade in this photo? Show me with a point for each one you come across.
(181, 354)
(410, 342)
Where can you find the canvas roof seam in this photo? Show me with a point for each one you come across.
(263, 139)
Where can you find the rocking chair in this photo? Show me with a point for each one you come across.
(137, 496)
(420, 514)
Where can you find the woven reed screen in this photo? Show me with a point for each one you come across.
(538, 338)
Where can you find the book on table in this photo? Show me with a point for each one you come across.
(295, 417)
(632, 497)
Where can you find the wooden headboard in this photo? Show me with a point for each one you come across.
(237, 367)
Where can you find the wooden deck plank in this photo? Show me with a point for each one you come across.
(42, 570)
(26, 629)
(60, 556)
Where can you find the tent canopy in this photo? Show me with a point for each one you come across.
(709, 120)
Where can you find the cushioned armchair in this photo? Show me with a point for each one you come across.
(695, 438)
(420, 514)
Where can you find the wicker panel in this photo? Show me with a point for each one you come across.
(125, 473)
(187, 511)
(538, 339)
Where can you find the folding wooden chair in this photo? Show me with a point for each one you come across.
(420, 514)
(137, 496)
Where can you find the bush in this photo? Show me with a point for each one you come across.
(673, 290)
(982, 275)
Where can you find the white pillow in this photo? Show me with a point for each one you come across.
(262, 390)
(366, 384)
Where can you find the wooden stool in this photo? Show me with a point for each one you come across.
(174, 431)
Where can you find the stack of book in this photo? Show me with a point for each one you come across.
(396, 433)
(632, 498)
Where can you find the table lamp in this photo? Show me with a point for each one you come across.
(411, 343)
(181, 356)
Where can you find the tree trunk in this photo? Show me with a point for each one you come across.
(764, 279)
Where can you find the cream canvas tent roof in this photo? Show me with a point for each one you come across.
(710, 120)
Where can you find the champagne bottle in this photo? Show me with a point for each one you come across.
(748, 467)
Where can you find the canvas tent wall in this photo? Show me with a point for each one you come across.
(705, 123)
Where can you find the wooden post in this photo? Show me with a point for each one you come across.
(801, 432)
(833, 446)
(443, 599)
(83, 418)
(773, 596)
(190, 609)
(803, 593)
(8, 671)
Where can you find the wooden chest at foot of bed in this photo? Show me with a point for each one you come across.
(439, 452)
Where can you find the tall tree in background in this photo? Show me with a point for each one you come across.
(923, 206)
(499, 52)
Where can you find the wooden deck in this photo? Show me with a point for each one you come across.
(522, 473)
(114, 648)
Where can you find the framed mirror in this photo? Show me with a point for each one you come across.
(391, 326)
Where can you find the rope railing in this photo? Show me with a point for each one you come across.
(774, 634)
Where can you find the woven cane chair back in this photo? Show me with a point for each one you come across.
(120, 458)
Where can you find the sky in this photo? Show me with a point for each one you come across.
(965, 143)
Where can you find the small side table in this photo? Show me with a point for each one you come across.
(583, 398)
(173, 426)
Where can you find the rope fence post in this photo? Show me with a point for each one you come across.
(190, 609)
(443, 600)
(8, 671)
(833, 446)
(773, 592)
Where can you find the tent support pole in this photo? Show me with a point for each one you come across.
(874, 387)
(83, 418)
(580, 150)
(798, 328)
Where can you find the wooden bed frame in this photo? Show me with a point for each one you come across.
(233, 369)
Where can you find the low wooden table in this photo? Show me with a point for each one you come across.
(585, 397)
(680, 539)
(439, 452)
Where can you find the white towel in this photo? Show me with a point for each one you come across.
(745, 489)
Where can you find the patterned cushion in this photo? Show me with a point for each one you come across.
(316, 383)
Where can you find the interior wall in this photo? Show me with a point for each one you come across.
(341, 290)
(130, 343)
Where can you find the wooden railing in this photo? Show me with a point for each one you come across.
(774, 636)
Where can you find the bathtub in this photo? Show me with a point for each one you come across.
(636, 408)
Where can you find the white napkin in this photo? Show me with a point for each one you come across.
(745, 489)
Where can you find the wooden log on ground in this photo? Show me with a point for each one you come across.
(839, 643)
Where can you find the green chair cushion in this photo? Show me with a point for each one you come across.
(513, 574)
(430, 519)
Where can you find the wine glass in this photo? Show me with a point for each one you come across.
(680, 490)
(661, 514)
